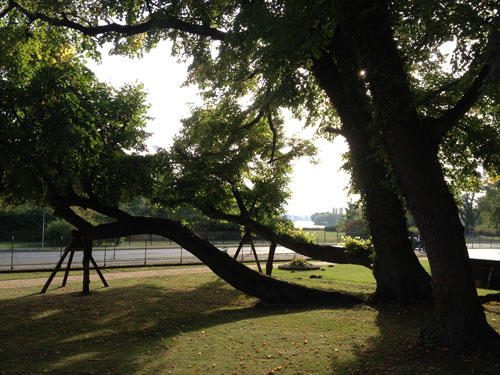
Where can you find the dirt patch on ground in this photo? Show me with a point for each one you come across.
(40, 281)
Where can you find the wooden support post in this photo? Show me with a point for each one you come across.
(238, 251)
(68, 266)
(247, 239)
(255, 256)
(58, 266)
(77, 244)
(98, 271)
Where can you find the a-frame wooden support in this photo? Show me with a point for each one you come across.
(248, 240)
(77, 244)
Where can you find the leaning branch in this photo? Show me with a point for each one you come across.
(332, 130)
(161, 21)
(451, 117)
(236, 274)
(327, 253)
(254, 121)
(275, 134)
(239, 201)
(6, 10)
(93, 204)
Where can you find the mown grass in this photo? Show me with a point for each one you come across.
(197, 324)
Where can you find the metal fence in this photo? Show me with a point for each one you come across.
(146, 250)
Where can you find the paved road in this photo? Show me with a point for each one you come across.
(132, 256)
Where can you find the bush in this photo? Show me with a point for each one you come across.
(58, 232)
(299, 263)
(298, 235)
(357, 246)
(331, 228)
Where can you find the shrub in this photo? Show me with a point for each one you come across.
(58, 232)
(357, 246)
(299, 263)
(298, 235)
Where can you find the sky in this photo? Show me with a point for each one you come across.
(316, 188)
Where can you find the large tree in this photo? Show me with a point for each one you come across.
(73, 143)
(379, 64)
(275, 77)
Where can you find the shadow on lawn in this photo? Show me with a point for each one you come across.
(103, 333)
(394, 351)
(120, 329)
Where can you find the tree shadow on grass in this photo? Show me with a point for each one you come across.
(116, 330)
(392, 349)
(147, 328)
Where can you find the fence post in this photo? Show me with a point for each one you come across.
(104, 253)
(181, 254)
(12, 255)
(114, 250)
(324, 236)
(145, 248)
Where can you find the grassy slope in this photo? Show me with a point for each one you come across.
(193, 324)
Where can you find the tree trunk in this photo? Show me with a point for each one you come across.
(87, 253)
(460, 322)
(234, 273)
(400, 276)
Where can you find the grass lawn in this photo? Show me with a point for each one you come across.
(197, 324)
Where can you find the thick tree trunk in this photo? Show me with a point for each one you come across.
(400, 276)
(460, 322)
(398, 272)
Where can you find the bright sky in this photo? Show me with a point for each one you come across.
(316, 188)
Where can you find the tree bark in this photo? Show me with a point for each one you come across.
(326, 253)
(234, 273)
(460, 323)
(400, 276)
(87, 253)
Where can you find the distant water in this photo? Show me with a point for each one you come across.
(306, 224)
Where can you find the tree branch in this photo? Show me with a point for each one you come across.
(93, 204)
(332, 130)
(275, 134)
(451, 117)
(236, 274)
(254, 121)
(71, 217)
(6, 10)
(239, 202)
(433, 93)
(157, 20)
(327, 253)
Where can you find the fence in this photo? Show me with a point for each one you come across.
(145, 250)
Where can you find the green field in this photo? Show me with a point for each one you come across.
(197, 324)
